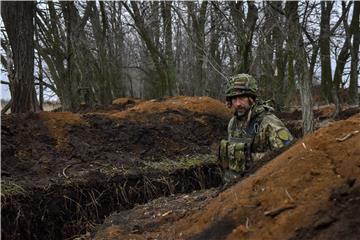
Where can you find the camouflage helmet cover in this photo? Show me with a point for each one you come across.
(241, 84)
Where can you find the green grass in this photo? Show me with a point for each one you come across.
(9, 188)
(181, 162)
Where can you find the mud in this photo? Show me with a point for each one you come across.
(340, 220)
(66, 210)
(40, 147)
(310, 191)
(63, 173)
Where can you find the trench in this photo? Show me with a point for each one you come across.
(66, 210)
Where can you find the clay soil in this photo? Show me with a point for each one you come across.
(62, 173)
(310, 191)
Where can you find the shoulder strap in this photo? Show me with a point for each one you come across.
(254, 125)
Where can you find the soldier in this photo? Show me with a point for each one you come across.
(252, 131)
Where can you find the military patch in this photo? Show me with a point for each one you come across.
(283, 135)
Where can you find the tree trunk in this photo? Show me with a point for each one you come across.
(198, 28)
(244, 31)
(280, 61)
(354, 72)
(302, 69)
(40, 77)
(324, 43)
(339, 70)
(102, 78)
(18, 19)
(70, 83)
(306, 102)
(41, 84)
(169, 55)
(215, 78)
(78, 73)
(156, 56)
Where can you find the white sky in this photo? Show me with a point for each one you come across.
(5, 93)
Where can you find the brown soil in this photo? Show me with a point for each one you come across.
(37, 147)
(311, 191)
(63, 173)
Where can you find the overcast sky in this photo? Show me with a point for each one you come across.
(5, 94)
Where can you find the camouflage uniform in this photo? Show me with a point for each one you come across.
(252, 135)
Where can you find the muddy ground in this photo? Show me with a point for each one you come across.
(310, 191)
(63, 173)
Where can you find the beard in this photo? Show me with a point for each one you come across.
(239, 113)
(242, 111)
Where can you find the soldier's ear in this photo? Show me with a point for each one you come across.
(251, 100)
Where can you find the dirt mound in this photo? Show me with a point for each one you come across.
(119, 104)
(323, 115)
(203, 105)
(63, 172)
(311, 191)
(38, 147)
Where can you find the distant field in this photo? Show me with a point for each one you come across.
(48, 106)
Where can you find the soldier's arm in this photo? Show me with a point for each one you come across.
(276, 133)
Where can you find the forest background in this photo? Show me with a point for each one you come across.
(89, 53)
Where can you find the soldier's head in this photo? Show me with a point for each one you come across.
(241, 92)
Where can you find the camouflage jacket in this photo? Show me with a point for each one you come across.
(254, 134)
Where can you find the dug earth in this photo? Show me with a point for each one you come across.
(148, 170)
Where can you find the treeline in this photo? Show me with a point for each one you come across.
(92, 52)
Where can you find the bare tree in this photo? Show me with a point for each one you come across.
(214, 57)
(270, 59)
(244, 27)
(18, 18)
(162, 60)
(354, 73)
(341, 61)
(324, 43)
(301, 65)
(89, 53)
(169, 55)
(198, 20)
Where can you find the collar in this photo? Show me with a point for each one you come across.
(255, 110)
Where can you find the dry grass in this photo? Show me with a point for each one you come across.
(48, 106)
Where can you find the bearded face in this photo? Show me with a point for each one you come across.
(241, 104)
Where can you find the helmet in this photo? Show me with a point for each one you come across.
(241, 84)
